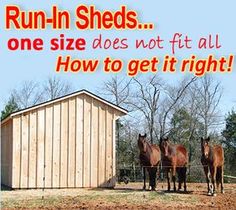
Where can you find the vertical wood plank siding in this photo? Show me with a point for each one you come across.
(6, 156)
(67, 144)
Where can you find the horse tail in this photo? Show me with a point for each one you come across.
(218, 176)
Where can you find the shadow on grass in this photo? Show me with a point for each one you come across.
(177, 192)
(122, 190)
(130, 190)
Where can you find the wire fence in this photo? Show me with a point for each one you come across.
(195, 173)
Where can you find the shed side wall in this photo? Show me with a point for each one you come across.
(6, 153)
(67, 144)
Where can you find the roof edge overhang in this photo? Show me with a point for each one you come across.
(83, 91)
(6, 120)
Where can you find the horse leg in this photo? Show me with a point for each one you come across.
(185, 177)
(168, 178)
(218, 177)
(154, 178)
(179, 187)
(207, 179)
(222, 179)
(144, 178)
(213, 170)
(174, 177)
(179, 171)
(150, 178)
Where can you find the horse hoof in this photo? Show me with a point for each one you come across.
(153, 189)
(223, 192)
(209, 193)
(214, 194)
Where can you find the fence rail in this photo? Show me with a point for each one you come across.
(188, 165)
(134, 172)
(231, 177)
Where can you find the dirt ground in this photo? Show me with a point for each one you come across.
(128, 196)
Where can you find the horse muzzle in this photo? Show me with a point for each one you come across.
(206, 155)
(165, 154)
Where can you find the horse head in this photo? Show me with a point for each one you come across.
(205, 147)
(142, 143)
(164, 146)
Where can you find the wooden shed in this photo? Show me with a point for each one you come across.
(64, 143)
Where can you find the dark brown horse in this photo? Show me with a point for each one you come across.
(174, 160)
(150, 157)
(213, 164)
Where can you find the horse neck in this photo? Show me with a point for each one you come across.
(211, 152)
(171, 149)
(148, 147)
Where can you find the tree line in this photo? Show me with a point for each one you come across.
(184, 111)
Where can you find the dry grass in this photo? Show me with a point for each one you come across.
(123, 196)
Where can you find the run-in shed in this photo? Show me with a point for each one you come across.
(66, 142)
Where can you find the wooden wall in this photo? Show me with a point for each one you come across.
(67, 144)
(6, 153)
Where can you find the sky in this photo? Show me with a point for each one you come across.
(196, 19)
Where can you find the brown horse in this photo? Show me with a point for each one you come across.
(150, 157)
(213, 164)
(174, 159)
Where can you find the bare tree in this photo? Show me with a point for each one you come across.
(117, 90)
(173, 97)
(145, 98)
(201, 102)
(55, 87)
(209, 93)
(28, 94)
(189, 128)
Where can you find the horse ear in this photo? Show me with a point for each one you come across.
(166, 139)
(139, 135)
(201, 139)
(145, 135)
(208, 138)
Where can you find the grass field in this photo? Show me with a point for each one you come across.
(122, 197)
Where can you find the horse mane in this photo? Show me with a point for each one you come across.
(148, 145)
(212, 148)
(172, 146)
(151, 157)
(211, 152)
(152, 146)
